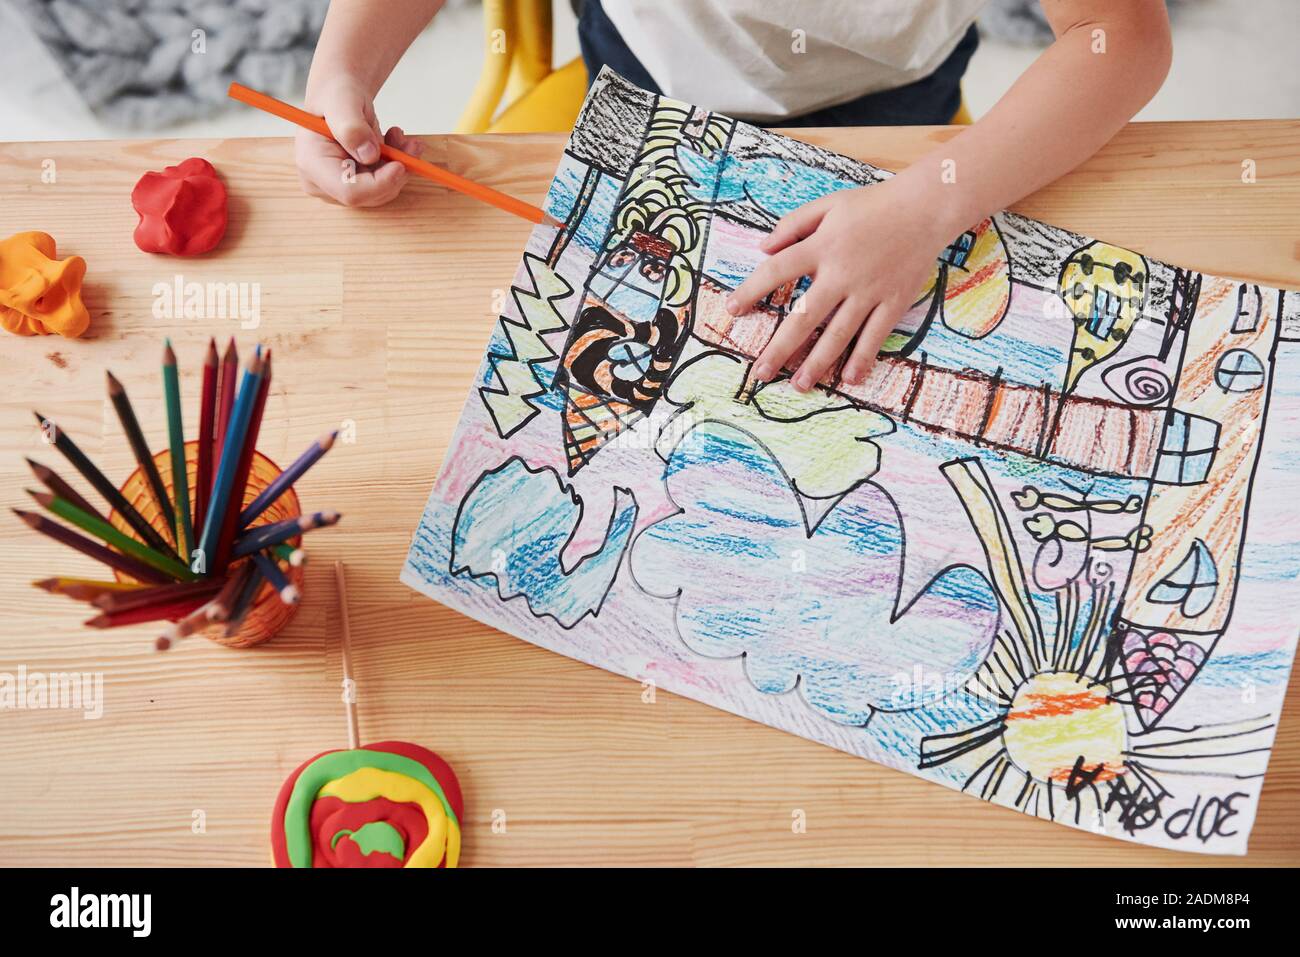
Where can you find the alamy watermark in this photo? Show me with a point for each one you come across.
(40, 690)
(179, 299)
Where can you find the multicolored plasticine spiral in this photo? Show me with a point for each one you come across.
(390, 804)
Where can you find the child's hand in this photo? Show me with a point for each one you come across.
(322, 166)
(869, 252)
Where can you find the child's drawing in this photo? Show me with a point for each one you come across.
(1044, 554)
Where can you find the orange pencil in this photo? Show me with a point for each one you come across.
(419, 167)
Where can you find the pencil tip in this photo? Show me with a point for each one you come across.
(114, 387)
(47, 584)
(169, 355)
(45, 498)
(211, 357)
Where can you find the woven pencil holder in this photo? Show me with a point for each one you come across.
(268, 614)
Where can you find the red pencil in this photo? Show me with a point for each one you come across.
(207, 425)
(160, 612)
(236, 505)
(225, 402)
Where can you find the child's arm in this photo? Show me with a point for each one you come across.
(870, 250)
(361, 42)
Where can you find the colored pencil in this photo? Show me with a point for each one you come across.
(140, 449)
(281, 483)
(296, 557)
(50, 479)
(286, 589)
(265, 536)
(104, 487)
(123, 563)
(219, 610)
(416, 165)
(176, 438)
(110, 535)
(86, 589)
(207, 428)
(134, 616)
(245, 600)
(123, 601)
(231, 517)
(228, 376)
(345, 641)
(221, 488)
(183, 627)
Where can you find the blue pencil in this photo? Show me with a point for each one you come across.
(271, 572)
(230, 450)
(268, 536)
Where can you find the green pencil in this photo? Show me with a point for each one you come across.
(176, 433)
(111, 536)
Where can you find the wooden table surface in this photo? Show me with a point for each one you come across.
(380, 317)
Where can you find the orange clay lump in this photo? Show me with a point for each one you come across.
(40, 294)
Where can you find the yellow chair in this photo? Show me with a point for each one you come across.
(517, 71)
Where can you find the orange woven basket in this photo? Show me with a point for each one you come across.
(268, 614)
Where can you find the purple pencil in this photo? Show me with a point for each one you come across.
(285, 479)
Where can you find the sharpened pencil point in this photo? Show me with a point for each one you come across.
(46, 499)
(169, 354)
(115, 388)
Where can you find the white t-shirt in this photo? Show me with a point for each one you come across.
(771, 59)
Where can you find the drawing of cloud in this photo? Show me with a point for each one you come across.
(513, 525)
(817, 610)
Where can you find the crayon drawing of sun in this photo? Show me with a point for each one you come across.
(1065, 740)
(1060, 724)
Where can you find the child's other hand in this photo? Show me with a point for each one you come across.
(322, 163)
(869, 252)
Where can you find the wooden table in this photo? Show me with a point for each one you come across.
(380, 317)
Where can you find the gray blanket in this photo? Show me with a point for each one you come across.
(145, 64)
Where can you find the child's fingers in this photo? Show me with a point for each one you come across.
(378, 186)
(795, 225)
(397, 138)
(329, 174)
(794, 330)
(323, 172)
(788, 264)
(354, 133)
(880, 323)
(832, 343)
